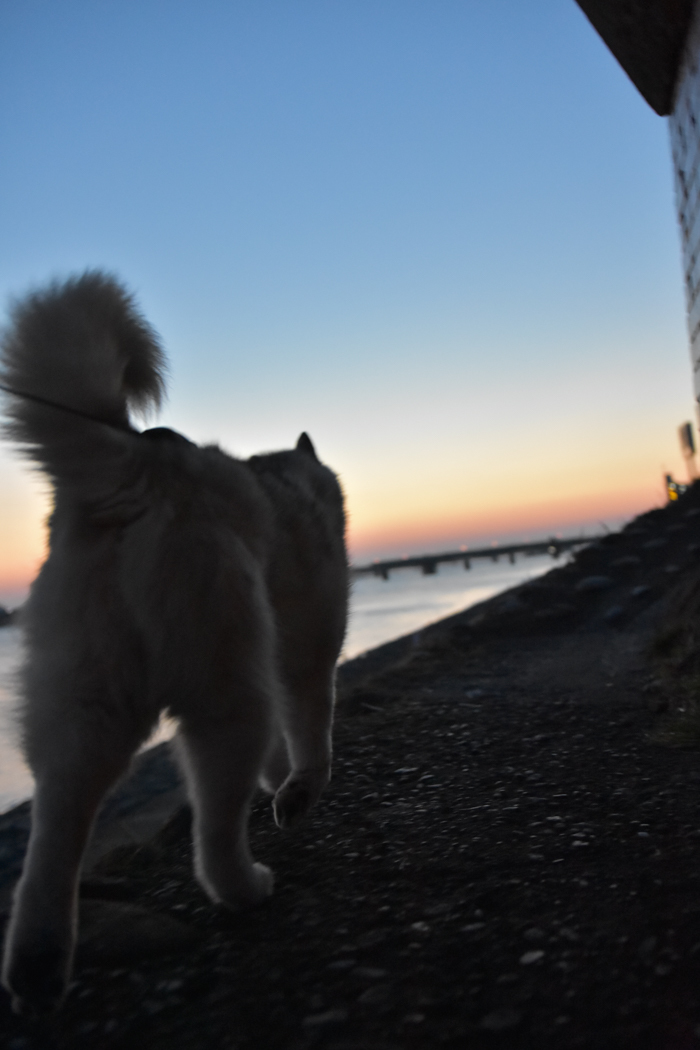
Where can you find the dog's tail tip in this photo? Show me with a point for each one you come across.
(83, 342)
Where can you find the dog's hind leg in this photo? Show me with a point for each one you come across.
(74, 761)
(223, 759)
(307, 721)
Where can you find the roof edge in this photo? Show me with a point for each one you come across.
(646, 37)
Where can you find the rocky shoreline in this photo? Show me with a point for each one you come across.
(506, 855)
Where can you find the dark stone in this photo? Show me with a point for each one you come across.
(655, 544)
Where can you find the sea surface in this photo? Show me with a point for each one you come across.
(380, 610)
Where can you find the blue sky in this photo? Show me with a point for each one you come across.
(438, 235)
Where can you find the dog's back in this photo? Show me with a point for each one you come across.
(178, 577)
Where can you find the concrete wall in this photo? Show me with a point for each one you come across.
(684, 124)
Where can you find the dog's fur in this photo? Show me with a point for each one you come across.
(178, 579)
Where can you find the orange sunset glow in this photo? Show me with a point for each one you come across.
(397, 525)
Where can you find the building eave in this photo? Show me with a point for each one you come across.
(646, 37)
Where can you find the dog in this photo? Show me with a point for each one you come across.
(178, 579)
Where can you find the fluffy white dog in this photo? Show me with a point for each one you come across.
(178, 578)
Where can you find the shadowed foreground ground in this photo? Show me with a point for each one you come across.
(505, 856)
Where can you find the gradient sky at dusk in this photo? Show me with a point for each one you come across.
(437, 234)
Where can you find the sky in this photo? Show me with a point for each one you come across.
(439, 235)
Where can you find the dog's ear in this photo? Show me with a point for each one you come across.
(304, 445)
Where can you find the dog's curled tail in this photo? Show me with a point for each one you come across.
(75, 358)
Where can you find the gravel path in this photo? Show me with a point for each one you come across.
(504, 857)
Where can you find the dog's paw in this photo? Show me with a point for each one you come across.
(37, 979)
(262, 883)
(246, 890)
(297, 795)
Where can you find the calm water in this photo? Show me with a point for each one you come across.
(379, 611)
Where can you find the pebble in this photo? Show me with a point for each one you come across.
(373, 996)
(371, 973)
(594, 583)
(328, 1017)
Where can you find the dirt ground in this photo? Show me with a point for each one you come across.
(507, 855)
